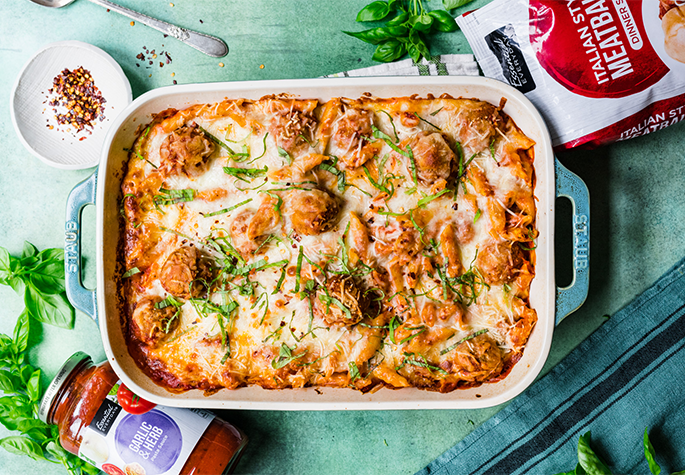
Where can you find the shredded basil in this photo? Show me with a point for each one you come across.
(429, 123)
(227, 210)
(240, 173)
(169, 197)
(130, 272)
(354, 371)
(467, 338)
(285, 356)
(427, 199)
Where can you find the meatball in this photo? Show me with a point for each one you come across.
(150, 324)
(673, 24)
(352, 134)
(292, 129)
(182, 273)
(345, 291)
(186, 149)
(499, 262)
(475, 359)
(477, 124)
(432, 155)
(313, 211)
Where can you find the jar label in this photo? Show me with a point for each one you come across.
(131, 436)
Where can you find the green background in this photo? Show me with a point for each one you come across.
(636, 187)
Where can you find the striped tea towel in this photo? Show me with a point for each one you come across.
(628, 375)
(442, 65)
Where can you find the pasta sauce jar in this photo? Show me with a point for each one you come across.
(104, 423)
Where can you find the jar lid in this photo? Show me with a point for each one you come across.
(64, 372)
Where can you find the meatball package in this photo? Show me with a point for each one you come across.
(599, 71)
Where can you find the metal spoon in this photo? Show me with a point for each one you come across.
(207, 44)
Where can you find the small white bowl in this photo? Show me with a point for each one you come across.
(32, 115)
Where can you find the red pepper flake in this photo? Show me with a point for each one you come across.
(76, 91)
(175, 81)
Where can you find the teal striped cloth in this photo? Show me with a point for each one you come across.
(628, 375)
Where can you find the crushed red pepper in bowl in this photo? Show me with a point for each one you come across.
(75, 90)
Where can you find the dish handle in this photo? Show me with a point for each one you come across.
(81, 196)
(571, 186)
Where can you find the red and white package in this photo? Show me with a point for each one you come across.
(599, 71)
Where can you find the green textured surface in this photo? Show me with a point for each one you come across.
(638, 209)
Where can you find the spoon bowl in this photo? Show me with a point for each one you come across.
(52, 3)
(207, 44)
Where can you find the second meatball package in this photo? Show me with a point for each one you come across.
(599, 71)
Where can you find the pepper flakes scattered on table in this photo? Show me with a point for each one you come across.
(77, 93)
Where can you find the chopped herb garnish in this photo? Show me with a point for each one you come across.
(278, 204)
(285, 356)
(167, 302)
(429, 123)
(280, 281)
(328, 300)
(411, 359)
(434, 113)
(420, 329)
(241, 155)
(284, 153)
(467, 287)
(240, 173)
(227, 210)
(300, 255)
(394, 130)
(130, 272)
(226, 355)
(492, 149)
(173, 231)
(354, 371)
(392, 326)
(388, 140)
(145, 159)
(427, 199)
(478, 215)
(467, 338)
(331, 167)
(169, 197)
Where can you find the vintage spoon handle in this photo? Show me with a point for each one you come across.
(207, 44)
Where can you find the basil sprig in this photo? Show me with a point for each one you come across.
(589, 462)
(40, 276)
(405, 32)
(20, 385)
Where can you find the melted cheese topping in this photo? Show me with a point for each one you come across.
(355, 243)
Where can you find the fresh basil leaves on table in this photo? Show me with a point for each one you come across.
(589, 462)
(40, 276)
(405, 32)
(20, 385)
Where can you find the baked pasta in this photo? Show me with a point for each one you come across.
(358, 243)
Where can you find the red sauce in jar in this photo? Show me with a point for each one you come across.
(81, 387)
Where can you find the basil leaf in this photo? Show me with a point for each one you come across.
(56, 450)
(452, 4)
(399, 19)
(33, 386)
(52, 309)
(22, 446)
(375, 36)
(374, 11)
(650, 454)
(21, 332)
(389, 51)
(29, 250)
(587, 458)
(443, 21)
(5, 269)
(421, 22)
(8, 382)
(48, 277)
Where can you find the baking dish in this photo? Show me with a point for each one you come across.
(550, 302)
